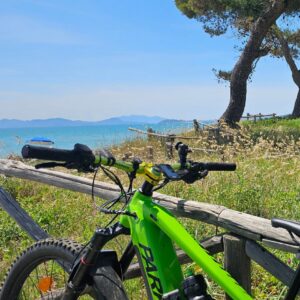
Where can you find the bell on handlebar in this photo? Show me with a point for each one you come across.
(183, 151)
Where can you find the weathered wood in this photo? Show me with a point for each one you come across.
(150, 133)
(205, 150)
(246, 225)
(252, 227)
(58, 179)
(196, 126)
(243, 224)
(169, 150)
(281, 246)
(162, 135)
(213, 245)
(270, 262)
(236, 262)
(12, 207)
(204, 125)
(149, 152)
(127, 156)
(260, 116)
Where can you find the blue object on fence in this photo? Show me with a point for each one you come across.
(41, 141)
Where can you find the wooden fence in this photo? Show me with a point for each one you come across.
(243, 241)
(214, 132)
(168, 140)
(259, 116)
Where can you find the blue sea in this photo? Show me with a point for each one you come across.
(13, 139)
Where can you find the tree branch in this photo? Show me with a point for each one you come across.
(287, 55)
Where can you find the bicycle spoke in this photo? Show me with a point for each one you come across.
(51, 276)
(65, 274)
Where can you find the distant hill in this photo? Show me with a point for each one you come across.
(60, 122)
(133, 119)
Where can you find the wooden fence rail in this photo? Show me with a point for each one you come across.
(168, 140)
(167, 136)
(244, 230)
(251, 227)
(258, 116)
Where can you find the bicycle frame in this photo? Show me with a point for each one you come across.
(153, 232)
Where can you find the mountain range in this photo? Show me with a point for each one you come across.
(60, 122)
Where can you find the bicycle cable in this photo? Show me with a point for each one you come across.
(165, 182)
(107, 205)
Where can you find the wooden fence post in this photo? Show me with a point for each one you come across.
(260, 116)
(150, 130)
(196, 126)
(13, 208)
(169, 145)
(127, 156)
(236, 262)
(218, 135)
(149, 152)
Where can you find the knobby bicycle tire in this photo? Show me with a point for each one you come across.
(60, 253)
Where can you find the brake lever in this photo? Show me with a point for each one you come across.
(191, 177)
(79, 167)
(67, 165)
(49, 165)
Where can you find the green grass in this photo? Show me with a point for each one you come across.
(275, 128)
(266, 184)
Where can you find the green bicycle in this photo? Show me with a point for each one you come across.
(61, 269)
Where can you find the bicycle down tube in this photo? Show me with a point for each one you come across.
(153, 232)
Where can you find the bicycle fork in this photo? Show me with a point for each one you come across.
(83, 269)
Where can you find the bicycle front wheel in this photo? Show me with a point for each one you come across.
(41, 272)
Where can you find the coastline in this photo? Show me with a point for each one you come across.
(13, 139)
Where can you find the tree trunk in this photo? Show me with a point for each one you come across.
(293, 67)
(243, 68)
(296, 110)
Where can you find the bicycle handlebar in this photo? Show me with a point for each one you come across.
(82, 157)
(44, 153)
(214, 166)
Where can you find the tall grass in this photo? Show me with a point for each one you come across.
(276, 128)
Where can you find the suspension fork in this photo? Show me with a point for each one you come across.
(80, 273)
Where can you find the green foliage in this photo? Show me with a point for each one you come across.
(230, 10)
(217, 16)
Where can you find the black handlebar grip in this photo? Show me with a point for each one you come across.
(47, 153)
(219, 166)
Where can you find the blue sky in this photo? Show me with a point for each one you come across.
(91, 60)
